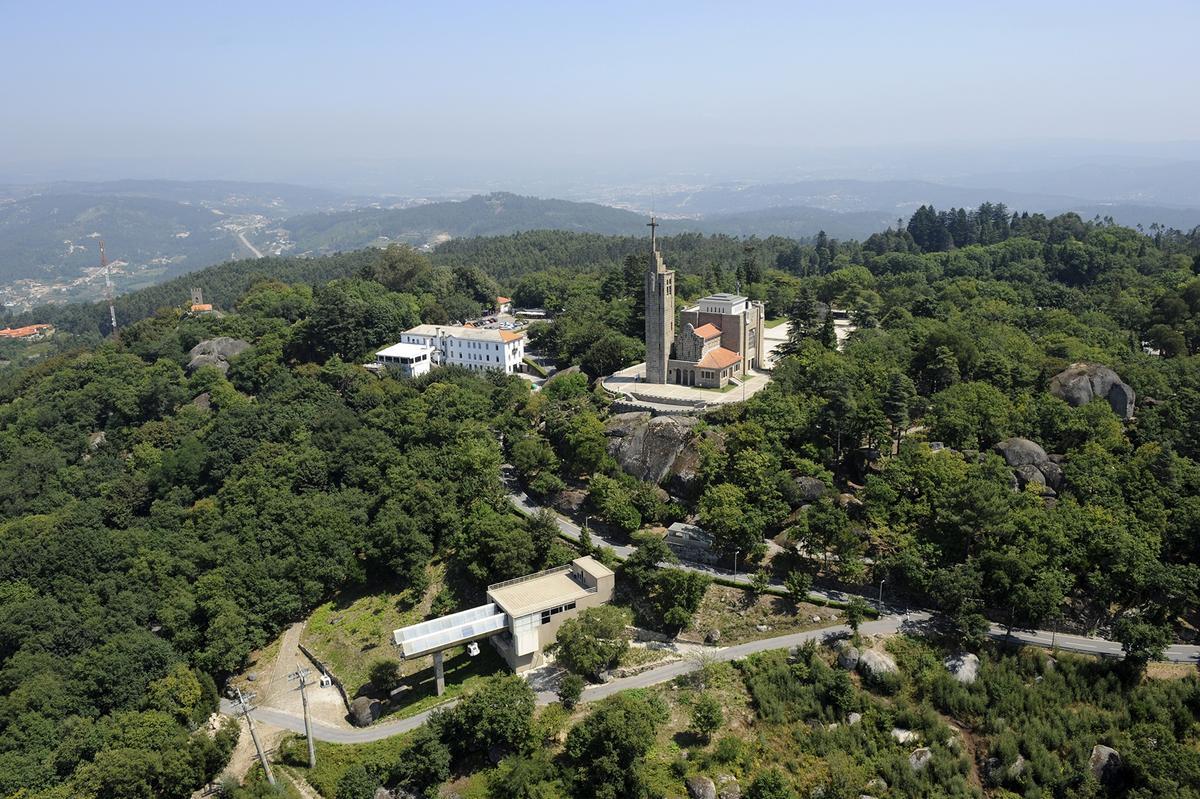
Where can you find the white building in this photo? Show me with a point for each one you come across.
(411, 360)
(474, 348)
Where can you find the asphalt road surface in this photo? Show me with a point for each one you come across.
(886, 625)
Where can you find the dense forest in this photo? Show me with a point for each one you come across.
(157, 525)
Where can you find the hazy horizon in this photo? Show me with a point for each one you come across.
(387, 99)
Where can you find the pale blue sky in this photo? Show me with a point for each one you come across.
(265, 86)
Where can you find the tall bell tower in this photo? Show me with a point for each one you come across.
(660, 311)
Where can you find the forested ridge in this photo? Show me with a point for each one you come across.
(156, 526)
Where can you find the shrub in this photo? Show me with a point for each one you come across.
(570, 689)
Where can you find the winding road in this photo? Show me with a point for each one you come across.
(888, 624)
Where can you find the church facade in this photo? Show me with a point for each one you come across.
(719, 338)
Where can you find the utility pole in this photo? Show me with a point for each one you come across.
(301, 676)
(244, 702)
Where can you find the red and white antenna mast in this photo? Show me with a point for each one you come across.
(108, 292)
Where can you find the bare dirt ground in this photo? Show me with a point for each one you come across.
(273, 689)
(244, 757)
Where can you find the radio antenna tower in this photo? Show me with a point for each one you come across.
(108, 292)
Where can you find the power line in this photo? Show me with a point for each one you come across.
(301, 675)
(244, 703)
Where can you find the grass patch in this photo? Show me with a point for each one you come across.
(641, 655)
(462, 672)
(353, 630)
(334, 759)
(738, 614)
(776, 322)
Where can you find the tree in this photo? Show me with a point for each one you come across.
(856, 612)
(707, 716)
(605, 751)
(971, 415)
(1142, 641)
(594, 640)
(613, 503)
(385, 674)
(727, 515)
(802, 321)
(179, 693)
(570, 690)
(769, 784)
(357, 783)
(499, 712)
(798, 584)
(425, 763)
(828, 333)
(401, 268)
(611, 353)
(898, 402)
(760, 581)
(641, 568)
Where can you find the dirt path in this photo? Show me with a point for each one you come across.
(275, 691)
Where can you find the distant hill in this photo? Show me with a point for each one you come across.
(229, 196)
(793, 222)
(51, 237)
(223, 285)
(1144, 215)
(891, 197)
(482, 215)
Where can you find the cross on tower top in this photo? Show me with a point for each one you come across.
(653, 225)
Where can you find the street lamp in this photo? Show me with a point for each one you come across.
(881, 582)
(736, 552)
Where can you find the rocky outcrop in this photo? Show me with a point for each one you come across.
(216, 352)
(920, 758)
(1105, 763)
(1080, 383)
(700, 788)
(847, 655)
(1031, 464)
(728, 787)
(963, 667)
(1021, 452)
(810, 489)
(364, 711)
(876, 664)
(903, 736)
(649, 447)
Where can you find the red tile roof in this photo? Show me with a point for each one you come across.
(503, 300)
(708, 331)
(719, 358)
(201, 306)
(508, 335)
(24, 332)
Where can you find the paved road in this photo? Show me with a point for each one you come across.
(1179, 653)
(886, 625)
(669, 671)
(241, 234)
(527, 506)
(323, 732)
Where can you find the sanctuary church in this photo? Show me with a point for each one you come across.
(718, 339)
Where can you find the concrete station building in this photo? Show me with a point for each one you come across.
(521, 617)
